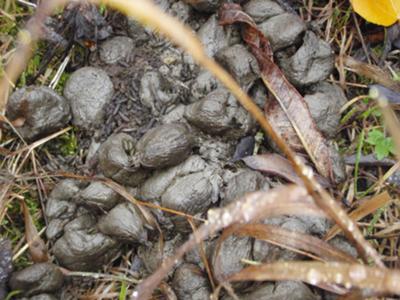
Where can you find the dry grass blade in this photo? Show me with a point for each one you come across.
(363, 210)
(37, 247)
(370, 71)
(30, 149)
(40, 142)
(349, 275)
(203, 257)
(252, 207)
(390, 231)
(293, 240)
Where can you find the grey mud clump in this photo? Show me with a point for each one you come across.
(313, 61)
(204, 84)
(165, 145)
(60, 208)
(38, 278)
(98, 196)
(128, 162)
(156, 92)
(117, 160)
(152, 257)
(40, 110)
(228, 260)
(266, 252)
(116, 49)
(288, 290)
(123, 222)
(88, 90)
(154, 187)
(240, 63)
(191, 194)
(283, 30)
(190, 187)
(341, 243)
(261, 10)
(204, 5)
(5, 265)
(190, 283)
(82, 250)
(324, 102)
(219, 113)
(86, 224)
(213, 36)
(241, 182)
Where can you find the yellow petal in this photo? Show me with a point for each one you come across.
(381, 12)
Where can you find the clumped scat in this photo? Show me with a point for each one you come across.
(81, 251)
(118, 160)
(5, 265)
(39, 109)
(189, 282)
(38, 278)
(119, 48)
(87, 104)
(125, 223)
(165, 145)
(172, 143)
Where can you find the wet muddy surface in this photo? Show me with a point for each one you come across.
(148, 118)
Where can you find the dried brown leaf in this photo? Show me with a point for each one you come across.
(203, 256)
(349, 275)
(282, 125)
(275, 164)
(366, 208)
(37, 247)
(292, 104)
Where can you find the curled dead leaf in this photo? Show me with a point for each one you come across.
(275, 164)
(37, 247)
